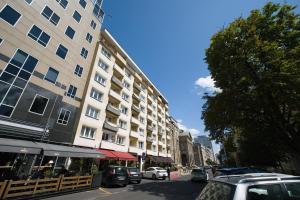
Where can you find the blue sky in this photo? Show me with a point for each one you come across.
(168, 38)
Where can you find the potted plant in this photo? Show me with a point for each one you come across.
(97, 176)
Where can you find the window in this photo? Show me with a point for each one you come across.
(38, 35)
(89, 37)
(62, 51)
(108, 137)
(14, 79)
(10, 15)
(273, 192)
(82, 3)
(141, 131)
(51, 75)
(50, 15)
(63, 117)
(122, 124)
(97, 11)
(84, 52)
(125, 96)
(1, 40)
(63, 3)
(93, 24)
(70, 32)
(106, 53)
(103, 65)
(96, 94)
(126, 85)
(127, 73)
(154, 148)
(142, 97)
(78, 70)
(120, 140)
(293, 190)
(29, 1)
(100, 79)
(141, 145)
(77, 16)
(124, 110)
(142, 120)
(142, 109)
(92, 112)
(39, 105)
(87, 132)
(72, 91)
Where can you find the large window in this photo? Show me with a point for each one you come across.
(72, 91)
(51, 75)
(126, 85)
(108, 137)
(141, 145)
(125, 96)
(100, 79)
(13, 80)
(92, 112)
(10, 15)
(98, 12)
(70, 32)
(63, 117)
(63, 3)
(103, 65)
(62, 51)
(120, 140)
(124, 110)
(78, 70)
(50, 15)
(38, 35)
(77, 16)
(82, 3)
(84, 52)
(95, 94)
(39, 105)
(87, 132)
(122, 124)
(106, 53)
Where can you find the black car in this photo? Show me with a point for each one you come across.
(134, 174)
(115, 175)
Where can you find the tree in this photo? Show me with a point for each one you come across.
(210, 162)
(255, 61)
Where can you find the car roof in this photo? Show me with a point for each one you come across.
(254, 177)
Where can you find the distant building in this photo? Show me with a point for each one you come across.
(198, 154)
(204, 141)
(207, 153)
(186, 148)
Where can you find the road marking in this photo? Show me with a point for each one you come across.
(106, 192)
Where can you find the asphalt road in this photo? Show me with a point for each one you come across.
(180, 189)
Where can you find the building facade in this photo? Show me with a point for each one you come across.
(198, 154)
(207, 153)
(186, 149)
(122, 111)
(175, 148)
(46, 52)
(204, 141)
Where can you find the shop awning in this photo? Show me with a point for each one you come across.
(117, 155)
(159, 159)
(68, 151)
(108, 154)
(19, 146)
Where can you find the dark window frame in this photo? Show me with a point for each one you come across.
(33, 101)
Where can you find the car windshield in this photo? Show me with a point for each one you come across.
(120, 170)
(134, 169)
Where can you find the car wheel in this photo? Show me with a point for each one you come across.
(154, 177)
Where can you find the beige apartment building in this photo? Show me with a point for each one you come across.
(122, 110)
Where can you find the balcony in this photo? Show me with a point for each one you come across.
(150, 117)
(136, 134)
(135, 120)
(138, 87)
(113, 109)
(115, 95)
(135, 149)
(137, 97)
(119, 69)
(136, 108)
(111, 126)
(160, 132)
(151, 152)
(150, 139)
(150, 128)
(117, 81)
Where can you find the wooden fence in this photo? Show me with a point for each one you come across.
(31, 187)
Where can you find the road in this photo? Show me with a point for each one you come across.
(180, 189)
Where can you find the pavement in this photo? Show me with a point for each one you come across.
(179, 189)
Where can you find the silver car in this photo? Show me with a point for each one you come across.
(155, 173)
(257, 186)
(199, 174)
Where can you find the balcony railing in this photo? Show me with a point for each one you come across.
(150, 139)
(136, 108)
(113, 109)
(111, 126)
(117, 81)
(137, 86)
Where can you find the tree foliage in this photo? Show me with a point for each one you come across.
(255, 61)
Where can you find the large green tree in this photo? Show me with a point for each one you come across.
(255, 61)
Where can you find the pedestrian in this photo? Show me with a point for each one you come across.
(169, 173)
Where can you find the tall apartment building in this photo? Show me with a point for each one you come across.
(122, 111)
(46, 52)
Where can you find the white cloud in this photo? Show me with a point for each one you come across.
(207, 83)
(194, 132)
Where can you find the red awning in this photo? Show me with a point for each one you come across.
(124, 156)
(117, 155)
(108, 154)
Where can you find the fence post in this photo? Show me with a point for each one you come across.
(36, 184)
(2, 188)
(58, 183)
(61, 182)
(78, 177)
(7, 189)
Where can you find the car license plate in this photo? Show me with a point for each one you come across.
(121, 178)
(135, 175)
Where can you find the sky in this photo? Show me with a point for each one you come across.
(167, 39)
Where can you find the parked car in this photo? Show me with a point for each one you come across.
(256, 186)
(115, 175)
(155, 173)
(238, 170)
(199, 174)
(134, 175)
